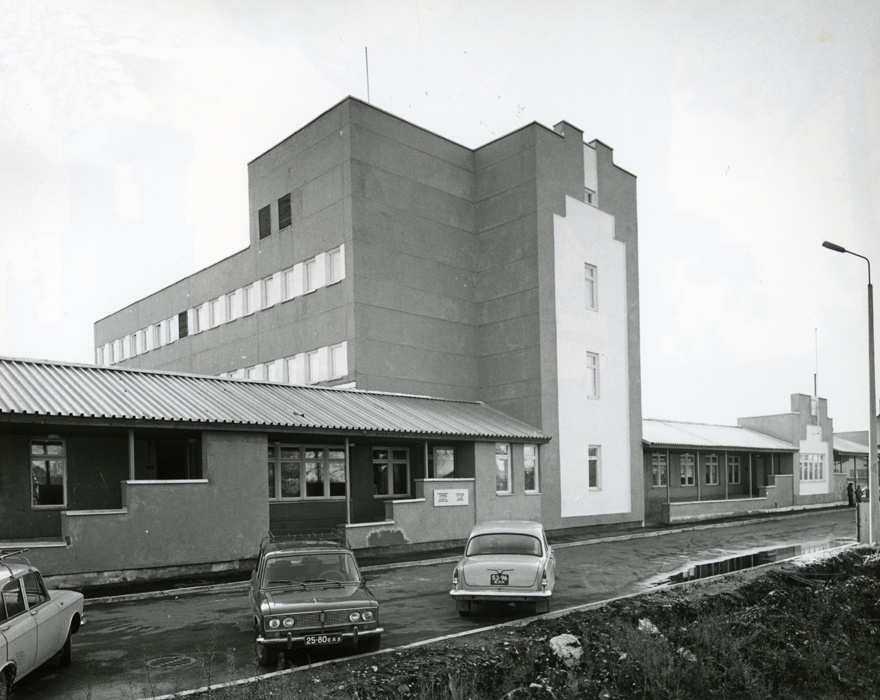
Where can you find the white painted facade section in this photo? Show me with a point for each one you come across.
(585, 235)
(814, 444)
(591, 171)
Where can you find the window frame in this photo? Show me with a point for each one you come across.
(46, 457)
(592, 365)
(659, 472)
(264, 222)
(591, 287)
(337, 254)
(594, 467)
(734, 470)
(390, 462)
(310, 275)
(535, 468)
(285, 212)
(274, 461)
(687, 469)
(503, 469)
(712, 469)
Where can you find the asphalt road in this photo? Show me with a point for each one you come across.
(154, 646)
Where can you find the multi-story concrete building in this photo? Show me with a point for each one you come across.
(386, 257)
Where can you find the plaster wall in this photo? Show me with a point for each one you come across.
(586, 235)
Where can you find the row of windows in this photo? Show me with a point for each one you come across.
(324, 364)
(503, 469)
(303, 278)
(688, 471)
(812, 466)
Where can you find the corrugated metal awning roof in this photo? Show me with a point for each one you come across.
(680, 434)
(849, 447)
(44, 388)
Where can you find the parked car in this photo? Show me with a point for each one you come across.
(310, 594)
(505, 561)
(36, 624)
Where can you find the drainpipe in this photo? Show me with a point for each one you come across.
(668, 468)
(131, 454)
(347, 486)
(751, 479)
(726, 477)
(697, 475)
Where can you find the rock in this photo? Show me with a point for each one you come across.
(568, 649)
(648, 627)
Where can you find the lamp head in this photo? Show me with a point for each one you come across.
(833, 246)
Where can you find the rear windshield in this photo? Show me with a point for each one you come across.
(310, 568)
(501, 543)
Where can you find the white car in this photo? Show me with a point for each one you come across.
(36, 624)
(505, 561)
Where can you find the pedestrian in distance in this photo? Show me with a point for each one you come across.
(851, 494)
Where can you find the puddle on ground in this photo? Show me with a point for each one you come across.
(745, 561)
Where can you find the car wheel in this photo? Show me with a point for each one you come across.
(266, 656)
(542, 606)
(5, 685)
(65, 656)
(371, 644)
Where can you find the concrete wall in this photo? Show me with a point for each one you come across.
(154, 527)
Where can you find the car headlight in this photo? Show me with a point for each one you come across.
(355, 616)
(274, 623)
(288, 622)
(367, 615)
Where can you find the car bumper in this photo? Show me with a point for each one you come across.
(511, 596)
(298, 641)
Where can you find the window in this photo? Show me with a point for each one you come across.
(503, 483)
(284, 217)
(712, 478)
(202, 318)
(313, 367)
(687, 470)
(310, 275)
(590, 282)
(589, 196)
(182, 324)
(275, 371)
(233, 305)
(733, 470)
(288, 278)
(118, 351)
(159, 335)
(444, 462)
(531, 474)
(265, 222)
(658, 469)
(594, 463)
(255, 372)
(306, 472)
(812, 466)
(249, 300)
(338, 361)
(34, 589)
(217, 309)
(335, 266)
(592, 375)
(11, 600)
(390, 471)
(268, 292)
(48, 474)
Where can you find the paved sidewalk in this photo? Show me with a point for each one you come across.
(382, 560)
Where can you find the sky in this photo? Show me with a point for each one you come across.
(753, 127)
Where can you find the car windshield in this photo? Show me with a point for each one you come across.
(302, 568)
(503, 543)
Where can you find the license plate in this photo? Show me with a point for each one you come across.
(499, 579)
(320, 639)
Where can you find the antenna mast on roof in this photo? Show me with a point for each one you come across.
(367, 63)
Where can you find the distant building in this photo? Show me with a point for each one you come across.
(384, 257)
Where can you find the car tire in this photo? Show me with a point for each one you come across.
(266, 656)
(5, 685)
(463, 607)
(542, 606)
(371, 644)
(65, 656)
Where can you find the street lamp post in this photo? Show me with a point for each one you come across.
(872, 396)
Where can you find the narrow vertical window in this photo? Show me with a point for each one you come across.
(531, 474)
(733, 470)
(594, 466)
(268, 292)
(712, 470)
(182, 324)
(288, 280)
(217, 312)
(592, 387)
(284, 218)
(390, 471)
(338, 361)
(687, 470)
(310, 275)
(233, 305)
(48, 474)
(590, 287)
(502, 469)
(265, 221)
(249, 301)
(335, 266)
(313, 367)
(658, 469)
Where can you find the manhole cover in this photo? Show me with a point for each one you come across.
(171, 662)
